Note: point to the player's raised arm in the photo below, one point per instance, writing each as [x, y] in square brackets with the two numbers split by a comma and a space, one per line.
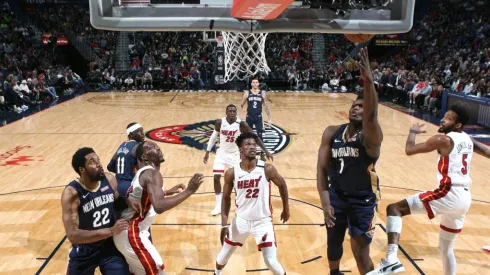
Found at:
[267, 109]
[153, 181]
[278, 180]
[244, 100]
[212, 140]
[371, 130]
[481, 148]
[441, 143]
[69, 207]
[323, 163]
[245, 128]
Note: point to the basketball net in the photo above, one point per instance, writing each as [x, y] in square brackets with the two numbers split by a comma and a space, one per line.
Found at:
[244, 55]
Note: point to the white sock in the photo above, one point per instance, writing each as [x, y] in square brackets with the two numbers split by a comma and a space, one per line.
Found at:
[393, 225]
[392, 253]
[218, 200]
[218, 272]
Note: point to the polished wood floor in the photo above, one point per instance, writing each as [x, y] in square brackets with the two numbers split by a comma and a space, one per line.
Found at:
[35, 164]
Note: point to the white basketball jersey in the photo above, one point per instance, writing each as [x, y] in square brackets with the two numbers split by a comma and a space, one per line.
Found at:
[253, 193]
[455, 168]
[138, 193]
[227, 136]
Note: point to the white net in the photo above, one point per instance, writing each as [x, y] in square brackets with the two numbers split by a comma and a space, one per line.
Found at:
[244, 55]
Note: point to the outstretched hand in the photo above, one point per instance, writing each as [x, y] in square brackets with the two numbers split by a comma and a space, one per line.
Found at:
[364, 66]
[417, 128]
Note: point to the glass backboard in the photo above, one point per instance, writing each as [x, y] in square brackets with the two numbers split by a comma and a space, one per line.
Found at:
[215, 15]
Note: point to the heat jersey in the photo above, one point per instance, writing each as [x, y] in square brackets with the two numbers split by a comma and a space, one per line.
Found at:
[96, 209]
[254, 101]
[253, 193]
[351, 169]
[455, 168]
[138, 193]
[227, 136]
[125, 161]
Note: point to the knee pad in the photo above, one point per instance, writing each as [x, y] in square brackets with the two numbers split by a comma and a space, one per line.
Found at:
[225, 254]
[270, 259]
[335, 239]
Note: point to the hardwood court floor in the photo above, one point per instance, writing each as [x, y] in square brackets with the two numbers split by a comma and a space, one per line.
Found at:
[36, 163]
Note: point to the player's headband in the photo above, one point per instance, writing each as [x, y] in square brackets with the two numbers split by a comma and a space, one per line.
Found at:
[133, 128]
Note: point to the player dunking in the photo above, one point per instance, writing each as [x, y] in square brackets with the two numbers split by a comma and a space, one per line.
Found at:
[346, 177]
[147, 188]
[123, 163]
[451, 200]
[251, 180]
[229, 128]
[89, 218]
[255, 98]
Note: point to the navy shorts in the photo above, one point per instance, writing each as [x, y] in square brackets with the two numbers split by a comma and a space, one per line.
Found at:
[358, 214]
[256, 120]
[84, 259]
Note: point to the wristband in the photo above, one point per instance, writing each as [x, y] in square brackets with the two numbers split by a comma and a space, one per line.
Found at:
[224, 226]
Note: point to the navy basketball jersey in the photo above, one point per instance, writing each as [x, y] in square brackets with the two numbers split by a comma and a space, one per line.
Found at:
[96, 209]
[254, 106]
[125, 161]
[351, 169]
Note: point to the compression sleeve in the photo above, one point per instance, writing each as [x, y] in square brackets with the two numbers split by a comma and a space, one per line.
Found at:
[212, 140]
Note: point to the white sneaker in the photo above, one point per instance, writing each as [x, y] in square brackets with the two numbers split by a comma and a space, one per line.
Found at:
[486, 249]
[216, 211]
[385, 268]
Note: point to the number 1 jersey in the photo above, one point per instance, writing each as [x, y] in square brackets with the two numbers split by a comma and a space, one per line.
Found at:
[253, 193]
[352, 171]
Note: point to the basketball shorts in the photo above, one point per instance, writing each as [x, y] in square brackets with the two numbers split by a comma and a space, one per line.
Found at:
[255, 121]
[358, 214]
[141, 255]
[452, 205]
[262, 230]
[84, 259]
[224, 159]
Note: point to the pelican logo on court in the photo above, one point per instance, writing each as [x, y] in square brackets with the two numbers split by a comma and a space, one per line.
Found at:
[197, 136]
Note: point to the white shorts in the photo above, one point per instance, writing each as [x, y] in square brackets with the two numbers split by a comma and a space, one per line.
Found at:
[222, 159]
[452, 205]
[140, 254]
[262, 230]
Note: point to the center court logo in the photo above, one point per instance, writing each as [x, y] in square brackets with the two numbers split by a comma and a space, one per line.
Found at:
[197, 136]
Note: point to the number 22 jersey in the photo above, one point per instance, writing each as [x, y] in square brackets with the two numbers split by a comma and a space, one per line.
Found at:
[253, 193]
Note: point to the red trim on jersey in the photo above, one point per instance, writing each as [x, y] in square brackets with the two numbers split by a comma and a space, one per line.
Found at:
[218, 171]
[267, 244]
[232, 243]
[424, 197]
[441, 191]
[450, 230]
[135, 239]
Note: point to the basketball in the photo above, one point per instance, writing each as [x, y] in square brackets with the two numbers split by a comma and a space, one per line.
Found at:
[359, 38]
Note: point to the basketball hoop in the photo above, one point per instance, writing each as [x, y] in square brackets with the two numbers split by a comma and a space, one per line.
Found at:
[244, 54]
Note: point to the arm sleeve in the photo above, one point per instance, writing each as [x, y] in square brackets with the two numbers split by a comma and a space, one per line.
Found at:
[212, 140]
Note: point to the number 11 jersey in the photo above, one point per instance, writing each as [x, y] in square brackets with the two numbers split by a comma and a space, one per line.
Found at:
[352, 171]
[253, 193]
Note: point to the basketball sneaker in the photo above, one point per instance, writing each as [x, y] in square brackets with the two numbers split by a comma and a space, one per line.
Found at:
[385, 268]
[486, 249]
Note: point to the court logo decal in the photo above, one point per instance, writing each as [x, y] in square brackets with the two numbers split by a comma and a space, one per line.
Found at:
[197, 136]
[7, 160]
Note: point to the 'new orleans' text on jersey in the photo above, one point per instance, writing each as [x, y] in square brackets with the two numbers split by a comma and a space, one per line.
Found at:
[351, 169]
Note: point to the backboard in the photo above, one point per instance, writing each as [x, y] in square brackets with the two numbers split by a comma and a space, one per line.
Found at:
[215, 15]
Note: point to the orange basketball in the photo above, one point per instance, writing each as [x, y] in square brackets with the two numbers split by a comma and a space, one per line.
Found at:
[359, 38]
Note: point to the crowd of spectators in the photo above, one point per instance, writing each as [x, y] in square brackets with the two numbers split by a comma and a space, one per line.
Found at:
[30, 72]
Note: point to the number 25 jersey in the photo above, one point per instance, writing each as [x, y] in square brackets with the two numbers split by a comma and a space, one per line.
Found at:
[253, 193]
[227, 136]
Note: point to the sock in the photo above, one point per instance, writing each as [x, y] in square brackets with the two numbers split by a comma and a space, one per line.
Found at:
[335, 271]
[218, 272]
[392, 253]
[218, 200]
